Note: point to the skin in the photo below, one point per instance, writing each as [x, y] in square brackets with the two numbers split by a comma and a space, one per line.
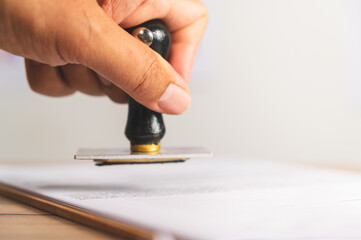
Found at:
[81, 45]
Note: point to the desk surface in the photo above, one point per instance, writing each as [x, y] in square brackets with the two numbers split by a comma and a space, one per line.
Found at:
[19, 221]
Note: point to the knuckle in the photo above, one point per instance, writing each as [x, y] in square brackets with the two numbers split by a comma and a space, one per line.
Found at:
[116, 95]
[34, 85]
[204, 10]
[118, 10]
[161, 7]
[47, 86]
[71, 44]
[39, 86]
[77, 47]
[146, 85]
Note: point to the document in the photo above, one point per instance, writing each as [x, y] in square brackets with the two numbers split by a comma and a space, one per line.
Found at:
[215, 198]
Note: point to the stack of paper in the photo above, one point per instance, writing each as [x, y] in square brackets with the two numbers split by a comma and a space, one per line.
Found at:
[219, 198]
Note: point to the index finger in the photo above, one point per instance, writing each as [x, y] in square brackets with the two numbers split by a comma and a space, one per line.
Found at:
[186, 20]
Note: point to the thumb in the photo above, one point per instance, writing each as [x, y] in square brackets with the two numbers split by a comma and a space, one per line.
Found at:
[135, 68]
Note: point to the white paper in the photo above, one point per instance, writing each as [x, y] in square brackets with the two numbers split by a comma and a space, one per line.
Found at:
[219, 198]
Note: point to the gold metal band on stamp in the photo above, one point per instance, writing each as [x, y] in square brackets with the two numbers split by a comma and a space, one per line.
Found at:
[148, 148]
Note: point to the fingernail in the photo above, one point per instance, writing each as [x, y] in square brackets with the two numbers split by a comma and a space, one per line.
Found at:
[174, 100]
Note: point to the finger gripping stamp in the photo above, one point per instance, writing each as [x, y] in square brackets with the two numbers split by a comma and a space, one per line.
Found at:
[145, 128]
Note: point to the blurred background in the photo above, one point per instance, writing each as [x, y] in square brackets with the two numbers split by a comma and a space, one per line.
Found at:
[274, 79]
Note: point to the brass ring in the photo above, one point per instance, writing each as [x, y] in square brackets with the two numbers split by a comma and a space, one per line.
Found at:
[148, 148]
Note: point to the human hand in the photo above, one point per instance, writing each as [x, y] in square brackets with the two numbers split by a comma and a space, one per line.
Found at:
[77, 45]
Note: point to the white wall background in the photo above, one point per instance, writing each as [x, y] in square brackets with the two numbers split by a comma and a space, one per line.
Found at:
[278, 79]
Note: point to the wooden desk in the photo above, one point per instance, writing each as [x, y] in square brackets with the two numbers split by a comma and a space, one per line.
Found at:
[19, 221]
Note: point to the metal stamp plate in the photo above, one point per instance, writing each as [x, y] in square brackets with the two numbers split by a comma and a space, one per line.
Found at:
[109, 156]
